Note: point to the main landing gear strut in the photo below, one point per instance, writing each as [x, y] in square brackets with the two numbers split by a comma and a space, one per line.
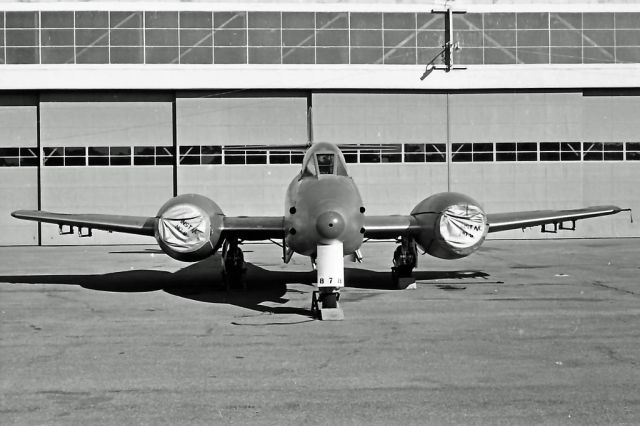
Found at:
[405, 259]
[234, 268]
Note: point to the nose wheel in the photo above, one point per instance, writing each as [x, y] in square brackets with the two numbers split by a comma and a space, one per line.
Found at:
[405, 259]
[234, 268]
[325, 306]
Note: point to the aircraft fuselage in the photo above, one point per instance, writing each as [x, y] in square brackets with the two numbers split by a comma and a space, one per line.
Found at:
[322, 206]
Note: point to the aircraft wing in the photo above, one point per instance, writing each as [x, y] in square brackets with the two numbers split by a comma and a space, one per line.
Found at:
[390, 227]
[244, 228]
[139, 225]
[518, 220]
[254, 228]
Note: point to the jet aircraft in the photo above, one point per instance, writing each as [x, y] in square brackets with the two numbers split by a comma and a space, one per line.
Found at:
[324, 218]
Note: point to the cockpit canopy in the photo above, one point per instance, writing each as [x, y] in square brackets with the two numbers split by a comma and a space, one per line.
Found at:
[324, 159]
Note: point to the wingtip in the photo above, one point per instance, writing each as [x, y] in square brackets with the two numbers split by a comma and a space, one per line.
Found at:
[22, 214]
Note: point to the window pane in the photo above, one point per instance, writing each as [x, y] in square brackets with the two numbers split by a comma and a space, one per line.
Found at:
[57, 19]
[298, 20]
[369, 158]
[161, 19]
[483, 147]
[391, 157]
[92, 55]
[98, 161]
[195, 19]
[120, 150]
[483, 156]
[28, 161]
[74, 161]
[100, 151]
[366, 20]
[436, 158]
[211, 149]
[190, 159]
[143, 161]
[331, 20]
[505, 156]
[126, 19]
[527, 156]
[549, 156]
[9, 152]
[549, 146]
[461, 147]
[613, 156]
[505, 146]
[527, 146]
[279, 158]
[92, 19]
[74, 151]
[400, 21]
[257, 157]
[120, 161]
[229, 20]
[211, 159]
[21, 19]
[98, 37]
[264, 20]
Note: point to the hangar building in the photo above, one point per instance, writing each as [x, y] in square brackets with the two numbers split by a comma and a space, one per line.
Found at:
[115, 107]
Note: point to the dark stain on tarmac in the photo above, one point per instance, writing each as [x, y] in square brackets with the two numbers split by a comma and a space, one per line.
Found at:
[202, 282]
[449, 287]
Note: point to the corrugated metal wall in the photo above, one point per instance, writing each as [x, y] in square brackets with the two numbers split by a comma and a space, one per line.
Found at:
[119, 123]
[210, 121]
[18, 179]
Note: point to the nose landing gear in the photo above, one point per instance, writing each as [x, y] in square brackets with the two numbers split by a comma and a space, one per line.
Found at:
[234, 268]
[330, 269]
[405, 259]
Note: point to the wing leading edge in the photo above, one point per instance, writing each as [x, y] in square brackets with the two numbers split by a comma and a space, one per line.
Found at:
[140, 225]
[520, 220]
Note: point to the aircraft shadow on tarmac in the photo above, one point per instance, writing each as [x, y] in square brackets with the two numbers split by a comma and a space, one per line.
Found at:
[202, 281]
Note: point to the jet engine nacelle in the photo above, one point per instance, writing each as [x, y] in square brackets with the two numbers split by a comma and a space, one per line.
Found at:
[451, 225]
[188, 227]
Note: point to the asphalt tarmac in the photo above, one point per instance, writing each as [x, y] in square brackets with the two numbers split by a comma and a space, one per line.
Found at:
[538, 332]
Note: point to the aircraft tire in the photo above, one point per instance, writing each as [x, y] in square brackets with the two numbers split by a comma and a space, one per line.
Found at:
[330, 301]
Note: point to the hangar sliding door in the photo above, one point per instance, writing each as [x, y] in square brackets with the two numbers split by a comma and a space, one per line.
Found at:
[413, 123]
[531, 151]
[210, 125]
[18, 167]
[105, 153]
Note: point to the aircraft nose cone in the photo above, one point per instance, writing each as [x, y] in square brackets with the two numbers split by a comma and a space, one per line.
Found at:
[330, 224]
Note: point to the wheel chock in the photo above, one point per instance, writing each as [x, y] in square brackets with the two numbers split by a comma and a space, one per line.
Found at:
[407, 283]
[331, 314]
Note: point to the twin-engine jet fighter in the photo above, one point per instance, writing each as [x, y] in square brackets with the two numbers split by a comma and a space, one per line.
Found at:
[325, 219]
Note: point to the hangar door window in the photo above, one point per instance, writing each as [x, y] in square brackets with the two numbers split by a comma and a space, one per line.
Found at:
[560, 151]
[420, 153]
[100, 156]
[598, 151]
[64, 156]
[633, 151]
[195, 154]
[18, 157]
[518, 151]
[109, 156]
[472, 152]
